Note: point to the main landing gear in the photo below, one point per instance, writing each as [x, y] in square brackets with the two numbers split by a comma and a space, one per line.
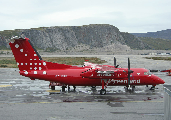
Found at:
[105, 83]
[103, 92]
[129, 88]
[53, 84]
[64, 86]
[74, 88]
[52, 87]
[93, 87]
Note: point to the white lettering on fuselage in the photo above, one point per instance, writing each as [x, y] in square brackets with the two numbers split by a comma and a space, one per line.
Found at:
[60, 75]
[104, 74]
[125, 81]
[63, 75]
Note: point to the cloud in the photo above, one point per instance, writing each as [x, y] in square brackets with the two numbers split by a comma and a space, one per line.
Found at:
[127, 15]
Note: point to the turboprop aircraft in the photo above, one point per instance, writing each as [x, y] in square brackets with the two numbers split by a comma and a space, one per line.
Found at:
[31, 65]
[168, 72]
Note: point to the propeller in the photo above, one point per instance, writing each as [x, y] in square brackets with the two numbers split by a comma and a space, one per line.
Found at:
[129, 72]
[116, 66]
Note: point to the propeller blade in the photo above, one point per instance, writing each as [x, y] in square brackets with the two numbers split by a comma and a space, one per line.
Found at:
[129, 72]
[114, 61]
[128, 64]
[116, 66]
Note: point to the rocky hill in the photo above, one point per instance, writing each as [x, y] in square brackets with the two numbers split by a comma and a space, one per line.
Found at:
[164, 34]
[93, 37]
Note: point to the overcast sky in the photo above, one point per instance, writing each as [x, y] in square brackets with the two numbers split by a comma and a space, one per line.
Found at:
[133, 16]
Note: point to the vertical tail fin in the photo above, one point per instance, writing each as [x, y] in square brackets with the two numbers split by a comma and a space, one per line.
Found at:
[26, 56]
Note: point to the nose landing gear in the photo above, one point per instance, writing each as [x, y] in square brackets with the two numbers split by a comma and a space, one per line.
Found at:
[153, 87]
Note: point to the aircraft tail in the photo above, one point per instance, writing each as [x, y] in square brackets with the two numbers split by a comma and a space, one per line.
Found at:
[26, 55]
[28, 58]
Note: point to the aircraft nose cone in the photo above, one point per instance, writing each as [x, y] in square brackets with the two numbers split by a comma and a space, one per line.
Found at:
[159, 80]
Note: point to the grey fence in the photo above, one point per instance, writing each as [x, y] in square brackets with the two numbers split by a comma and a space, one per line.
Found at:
[167, 102]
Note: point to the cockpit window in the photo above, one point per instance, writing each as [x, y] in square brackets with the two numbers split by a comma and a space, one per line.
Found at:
[147, 73]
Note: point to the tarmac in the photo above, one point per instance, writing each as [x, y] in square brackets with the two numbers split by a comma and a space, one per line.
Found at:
[25, 99]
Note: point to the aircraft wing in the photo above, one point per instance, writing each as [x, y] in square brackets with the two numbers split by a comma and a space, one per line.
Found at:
[104, 72]
[165, 70]
[92, 65]
[97, 65]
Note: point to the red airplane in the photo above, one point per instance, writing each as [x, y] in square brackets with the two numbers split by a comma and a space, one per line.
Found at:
[31, 65]
[168, 72]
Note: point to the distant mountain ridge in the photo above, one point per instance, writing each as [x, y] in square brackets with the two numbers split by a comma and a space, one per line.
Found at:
[164, 34]
[93, 37]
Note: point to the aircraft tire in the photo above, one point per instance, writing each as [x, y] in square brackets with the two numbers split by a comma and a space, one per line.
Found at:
[52, 87]
[68, 88]
[74, 88]
[102, 92]
[133, 88]
[63, 88]
[93, 87]
[152, 88]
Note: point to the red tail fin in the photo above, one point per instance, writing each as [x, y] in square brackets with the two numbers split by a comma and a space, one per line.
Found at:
[26, 56]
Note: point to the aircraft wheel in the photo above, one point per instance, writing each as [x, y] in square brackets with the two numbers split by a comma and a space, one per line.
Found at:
[52, 87]
[152, 88]
[63, 88]
[74, 88]
[102, 92]
[68, 88]
[133, 88]
[126, 88]
[93, 87]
